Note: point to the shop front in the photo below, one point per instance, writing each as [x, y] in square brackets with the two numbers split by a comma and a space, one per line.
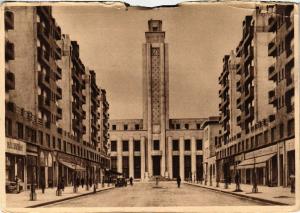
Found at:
[15, 152]
[70, 168]
[32, 165]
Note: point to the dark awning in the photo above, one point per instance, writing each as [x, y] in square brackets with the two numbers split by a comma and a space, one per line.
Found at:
[72, 166]
[258, 162]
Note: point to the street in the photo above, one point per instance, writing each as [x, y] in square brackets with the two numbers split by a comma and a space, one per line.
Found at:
[147, 194]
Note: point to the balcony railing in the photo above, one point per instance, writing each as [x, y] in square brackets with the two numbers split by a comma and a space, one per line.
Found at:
[272, 47]
[43, 56]
[43, 33]
[272, 72]
[272, 24]
[272, 97]
[59, 93]
[249, 74]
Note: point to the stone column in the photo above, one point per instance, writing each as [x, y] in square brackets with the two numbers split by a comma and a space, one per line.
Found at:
[170, 155]
[181, 158]
[193, 158]
[142, 158]
[149, 157]
[285, 165]
[119, 155]
[131, 166]
[278, 165]
[163, 158]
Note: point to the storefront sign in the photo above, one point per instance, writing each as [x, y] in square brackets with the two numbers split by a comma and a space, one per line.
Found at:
[15, 146]
[260, 152]
[31, 148]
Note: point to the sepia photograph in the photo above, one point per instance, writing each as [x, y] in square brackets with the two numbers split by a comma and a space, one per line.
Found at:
[118, 108]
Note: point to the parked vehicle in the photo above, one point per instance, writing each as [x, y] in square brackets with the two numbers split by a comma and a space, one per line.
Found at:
[120, 182]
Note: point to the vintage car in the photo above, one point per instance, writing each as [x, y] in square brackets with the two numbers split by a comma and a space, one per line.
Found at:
[120, 182]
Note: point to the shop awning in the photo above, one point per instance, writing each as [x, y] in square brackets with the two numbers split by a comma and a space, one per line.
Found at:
[72, 166]
[257, 161]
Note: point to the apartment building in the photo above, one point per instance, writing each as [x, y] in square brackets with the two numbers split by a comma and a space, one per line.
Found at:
[256, 150]
[44, 116]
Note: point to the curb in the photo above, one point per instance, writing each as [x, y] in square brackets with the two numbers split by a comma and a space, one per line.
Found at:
[242, 195]
[64, 199]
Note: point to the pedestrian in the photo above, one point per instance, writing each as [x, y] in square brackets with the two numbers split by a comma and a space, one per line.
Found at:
[237, 181]
[82, 182]
[178, 181]
[131, 180]
[43, 185]
[91, 182]
[63, 184]
[77, 182]
[17, 184]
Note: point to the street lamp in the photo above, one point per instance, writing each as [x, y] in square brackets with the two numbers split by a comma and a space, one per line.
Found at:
[254, 189]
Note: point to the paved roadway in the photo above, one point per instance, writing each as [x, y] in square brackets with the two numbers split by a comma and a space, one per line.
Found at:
[167, 194]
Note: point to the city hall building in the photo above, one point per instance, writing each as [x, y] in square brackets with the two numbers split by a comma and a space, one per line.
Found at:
[157, 145]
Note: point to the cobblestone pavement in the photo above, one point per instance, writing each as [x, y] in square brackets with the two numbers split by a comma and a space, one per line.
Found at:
[166, 194]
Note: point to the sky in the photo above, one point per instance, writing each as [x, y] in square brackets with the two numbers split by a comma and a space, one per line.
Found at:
[111, 38]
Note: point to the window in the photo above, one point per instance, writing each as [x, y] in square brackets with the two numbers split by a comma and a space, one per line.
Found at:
[48, 140]
[199, 144]
[156, 145]
[59, 143]
[291, 127]
[65, 146]
[8, 127]
[187, 145]
[198, 126]
[125, 146]
[281, 130]
[113, 146]
[266, 136]
[114, 127]
[33, 136]
[41, 140]
[137, 146]
[175, 145]
[125, 127]
[20, 130]
[177, 126]
[137, 127]
[53, 142]
[216, 140]
[186, 126]
[273, 134]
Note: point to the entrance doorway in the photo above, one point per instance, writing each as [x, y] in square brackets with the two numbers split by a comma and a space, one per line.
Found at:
[175, 166]
[156, 165]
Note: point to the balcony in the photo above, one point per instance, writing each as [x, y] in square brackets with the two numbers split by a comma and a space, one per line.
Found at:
[9, 20]
[239, 103]
[58, 72]
[76, 92]
[272, 24]
[42, 32]
[9, 80]
[76, 76]
[9, 51]
[272, 97]
[272, 73]
[43, 56]
[272, 47]
[44, 103]
[249, 94]
[59, 113]
[44, 11]
[249, 114]
[76, 109]
[290, 86]
[249, 74]
[239, 86]
[249, 54]
[249, 34]
[44, 80]
[239, 120]
[57, 33]
[58, 93]
[290, 108]
[272, 118]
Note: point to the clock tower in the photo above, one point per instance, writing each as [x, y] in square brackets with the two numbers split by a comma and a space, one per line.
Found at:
[156, 97]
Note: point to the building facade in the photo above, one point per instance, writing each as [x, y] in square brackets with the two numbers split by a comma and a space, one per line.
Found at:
[45, 100]
[157, 145]
[257, 116]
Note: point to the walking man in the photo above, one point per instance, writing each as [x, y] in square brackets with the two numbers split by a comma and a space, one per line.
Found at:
[178, 181]
[131, 180]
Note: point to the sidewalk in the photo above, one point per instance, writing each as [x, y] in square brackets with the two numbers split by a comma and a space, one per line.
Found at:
[21, 200]
[272, 195]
